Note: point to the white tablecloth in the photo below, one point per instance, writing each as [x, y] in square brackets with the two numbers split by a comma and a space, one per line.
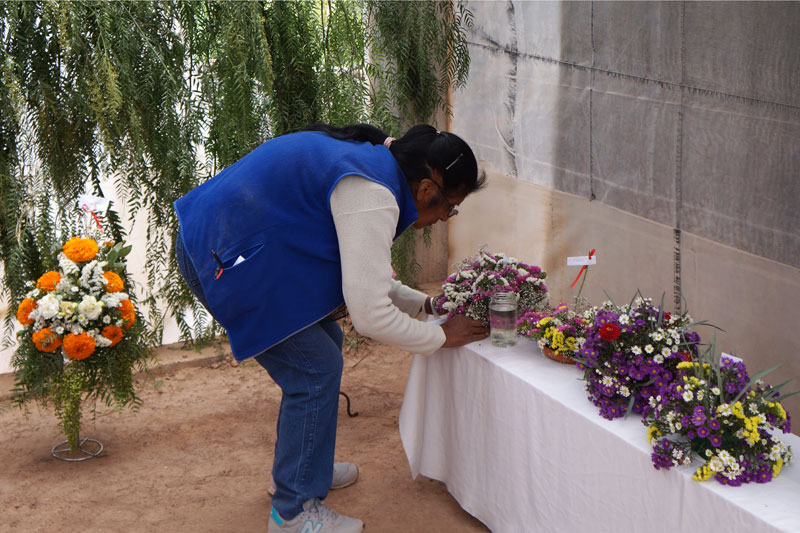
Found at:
[517, 443]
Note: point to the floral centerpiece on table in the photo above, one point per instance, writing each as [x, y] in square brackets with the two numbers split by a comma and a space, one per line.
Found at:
[630, 352]
[80, 333]
[469, 289]
[715, 412]
[560, 332]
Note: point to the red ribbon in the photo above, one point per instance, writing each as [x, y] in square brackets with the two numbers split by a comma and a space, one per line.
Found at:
[87, 210]
[584, 267]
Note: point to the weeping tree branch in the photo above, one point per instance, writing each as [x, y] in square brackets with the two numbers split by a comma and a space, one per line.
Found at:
[156, 97]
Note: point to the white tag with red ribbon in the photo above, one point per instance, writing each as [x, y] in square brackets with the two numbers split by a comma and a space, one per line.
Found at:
[91, 206]
[98, 204]
[582, 260]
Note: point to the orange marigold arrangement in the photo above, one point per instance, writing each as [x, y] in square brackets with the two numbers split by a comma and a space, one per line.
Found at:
[79, 300]
[80, 336]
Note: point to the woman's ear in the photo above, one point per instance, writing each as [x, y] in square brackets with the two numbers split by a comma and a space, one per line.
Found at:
[425, 191]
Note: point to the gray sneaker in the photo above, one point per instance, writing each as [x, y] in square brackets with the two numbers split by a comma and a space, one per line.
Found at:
[344, 475]
[315, 518]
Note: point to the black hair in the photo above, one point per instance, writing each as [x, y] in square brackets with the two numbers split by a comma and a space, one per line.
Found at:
[422, 148]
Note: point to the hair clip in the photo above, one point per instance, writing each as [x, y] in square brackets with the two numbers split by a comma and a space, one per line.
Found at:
[454, 161]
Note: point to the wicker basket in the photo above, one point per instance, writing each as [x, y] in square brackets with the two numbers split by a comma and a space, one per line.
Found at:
[565, 359]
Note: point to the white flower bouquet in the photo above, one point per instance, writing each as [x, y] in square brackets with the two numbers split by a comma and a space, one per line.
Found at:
[468, 291]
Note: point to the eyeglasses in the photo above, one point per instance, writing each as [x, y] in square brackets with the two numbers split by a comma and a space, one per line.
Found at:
[451, 209]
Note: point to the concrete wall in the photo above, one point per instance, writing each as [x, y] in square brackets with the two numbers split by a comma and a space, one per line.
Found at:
[664, 134]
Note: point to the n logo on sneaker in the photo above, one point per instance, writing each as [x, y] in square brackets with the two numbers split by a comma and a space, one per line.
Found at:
[311, 527]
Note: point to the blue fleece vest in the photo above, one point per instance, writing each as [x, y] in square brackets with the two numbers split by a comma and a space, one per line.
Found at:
[272, 209]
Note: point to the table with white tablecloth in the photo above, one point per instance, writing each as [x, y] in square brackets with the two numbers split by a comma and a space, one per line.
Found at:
[513, 436]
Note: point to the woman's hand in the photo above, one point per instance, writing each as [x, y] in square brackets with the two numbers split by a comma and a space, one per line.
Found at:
[429, 304]
[461, 330]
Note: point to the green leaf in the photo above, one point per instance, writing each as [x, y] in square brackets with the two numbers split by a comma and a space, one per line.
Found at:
[784, 396]
[753, 380]
[701, 323]
[609, 298]
[630, 406]
[660, 318]
[777, 388]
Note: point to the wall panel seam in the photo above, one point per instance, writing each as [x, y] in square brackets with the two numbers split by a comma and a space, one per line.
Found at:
[643, 79]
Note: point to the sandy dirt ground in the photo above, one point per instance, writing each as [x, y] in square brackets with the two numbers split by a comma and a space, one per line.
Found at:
[196, 456]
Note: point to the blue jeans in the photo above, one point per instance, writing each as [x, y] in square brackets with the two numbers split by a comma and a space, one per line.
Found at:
[308, 368]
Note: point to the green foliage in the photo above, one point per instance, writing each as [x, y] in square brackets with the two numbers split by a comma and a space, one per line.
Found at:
[43, 377]
[67, 404]
[404, 258]
[160, 96]
[419, 51]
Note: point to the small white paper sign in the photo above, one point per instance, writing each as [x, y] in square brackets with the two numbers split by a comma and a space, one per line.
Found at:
[97, 204]
[729, 356]
[581, 260]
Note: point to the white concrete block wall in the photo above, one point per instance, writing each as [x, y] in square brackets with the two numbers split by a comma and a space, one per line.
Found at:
[611, 125]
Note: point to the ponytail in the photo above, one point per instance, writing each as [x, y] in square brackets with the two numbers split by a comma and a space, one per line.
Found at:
[421, 149]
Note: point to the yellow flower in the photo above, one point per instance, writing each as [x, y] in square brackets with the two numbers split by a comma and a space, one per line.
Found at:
[543, 322]
[652, 432]
[558, 340]
[776, 468]
[684, 365]
[702, 473]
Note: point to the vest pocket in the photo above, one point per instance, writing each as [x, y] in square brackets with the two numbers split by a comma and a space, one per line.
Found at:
[236, 291]
[237, 259]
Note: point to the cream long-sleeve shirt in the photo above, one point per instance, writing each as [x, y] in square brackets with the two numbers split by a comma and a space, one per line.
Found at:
[365, 214]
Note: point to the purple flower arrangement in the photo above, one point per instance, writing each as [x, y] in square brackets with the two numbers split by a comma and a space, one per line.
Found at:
[630, 353]
[714, 411]
[468, 291]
